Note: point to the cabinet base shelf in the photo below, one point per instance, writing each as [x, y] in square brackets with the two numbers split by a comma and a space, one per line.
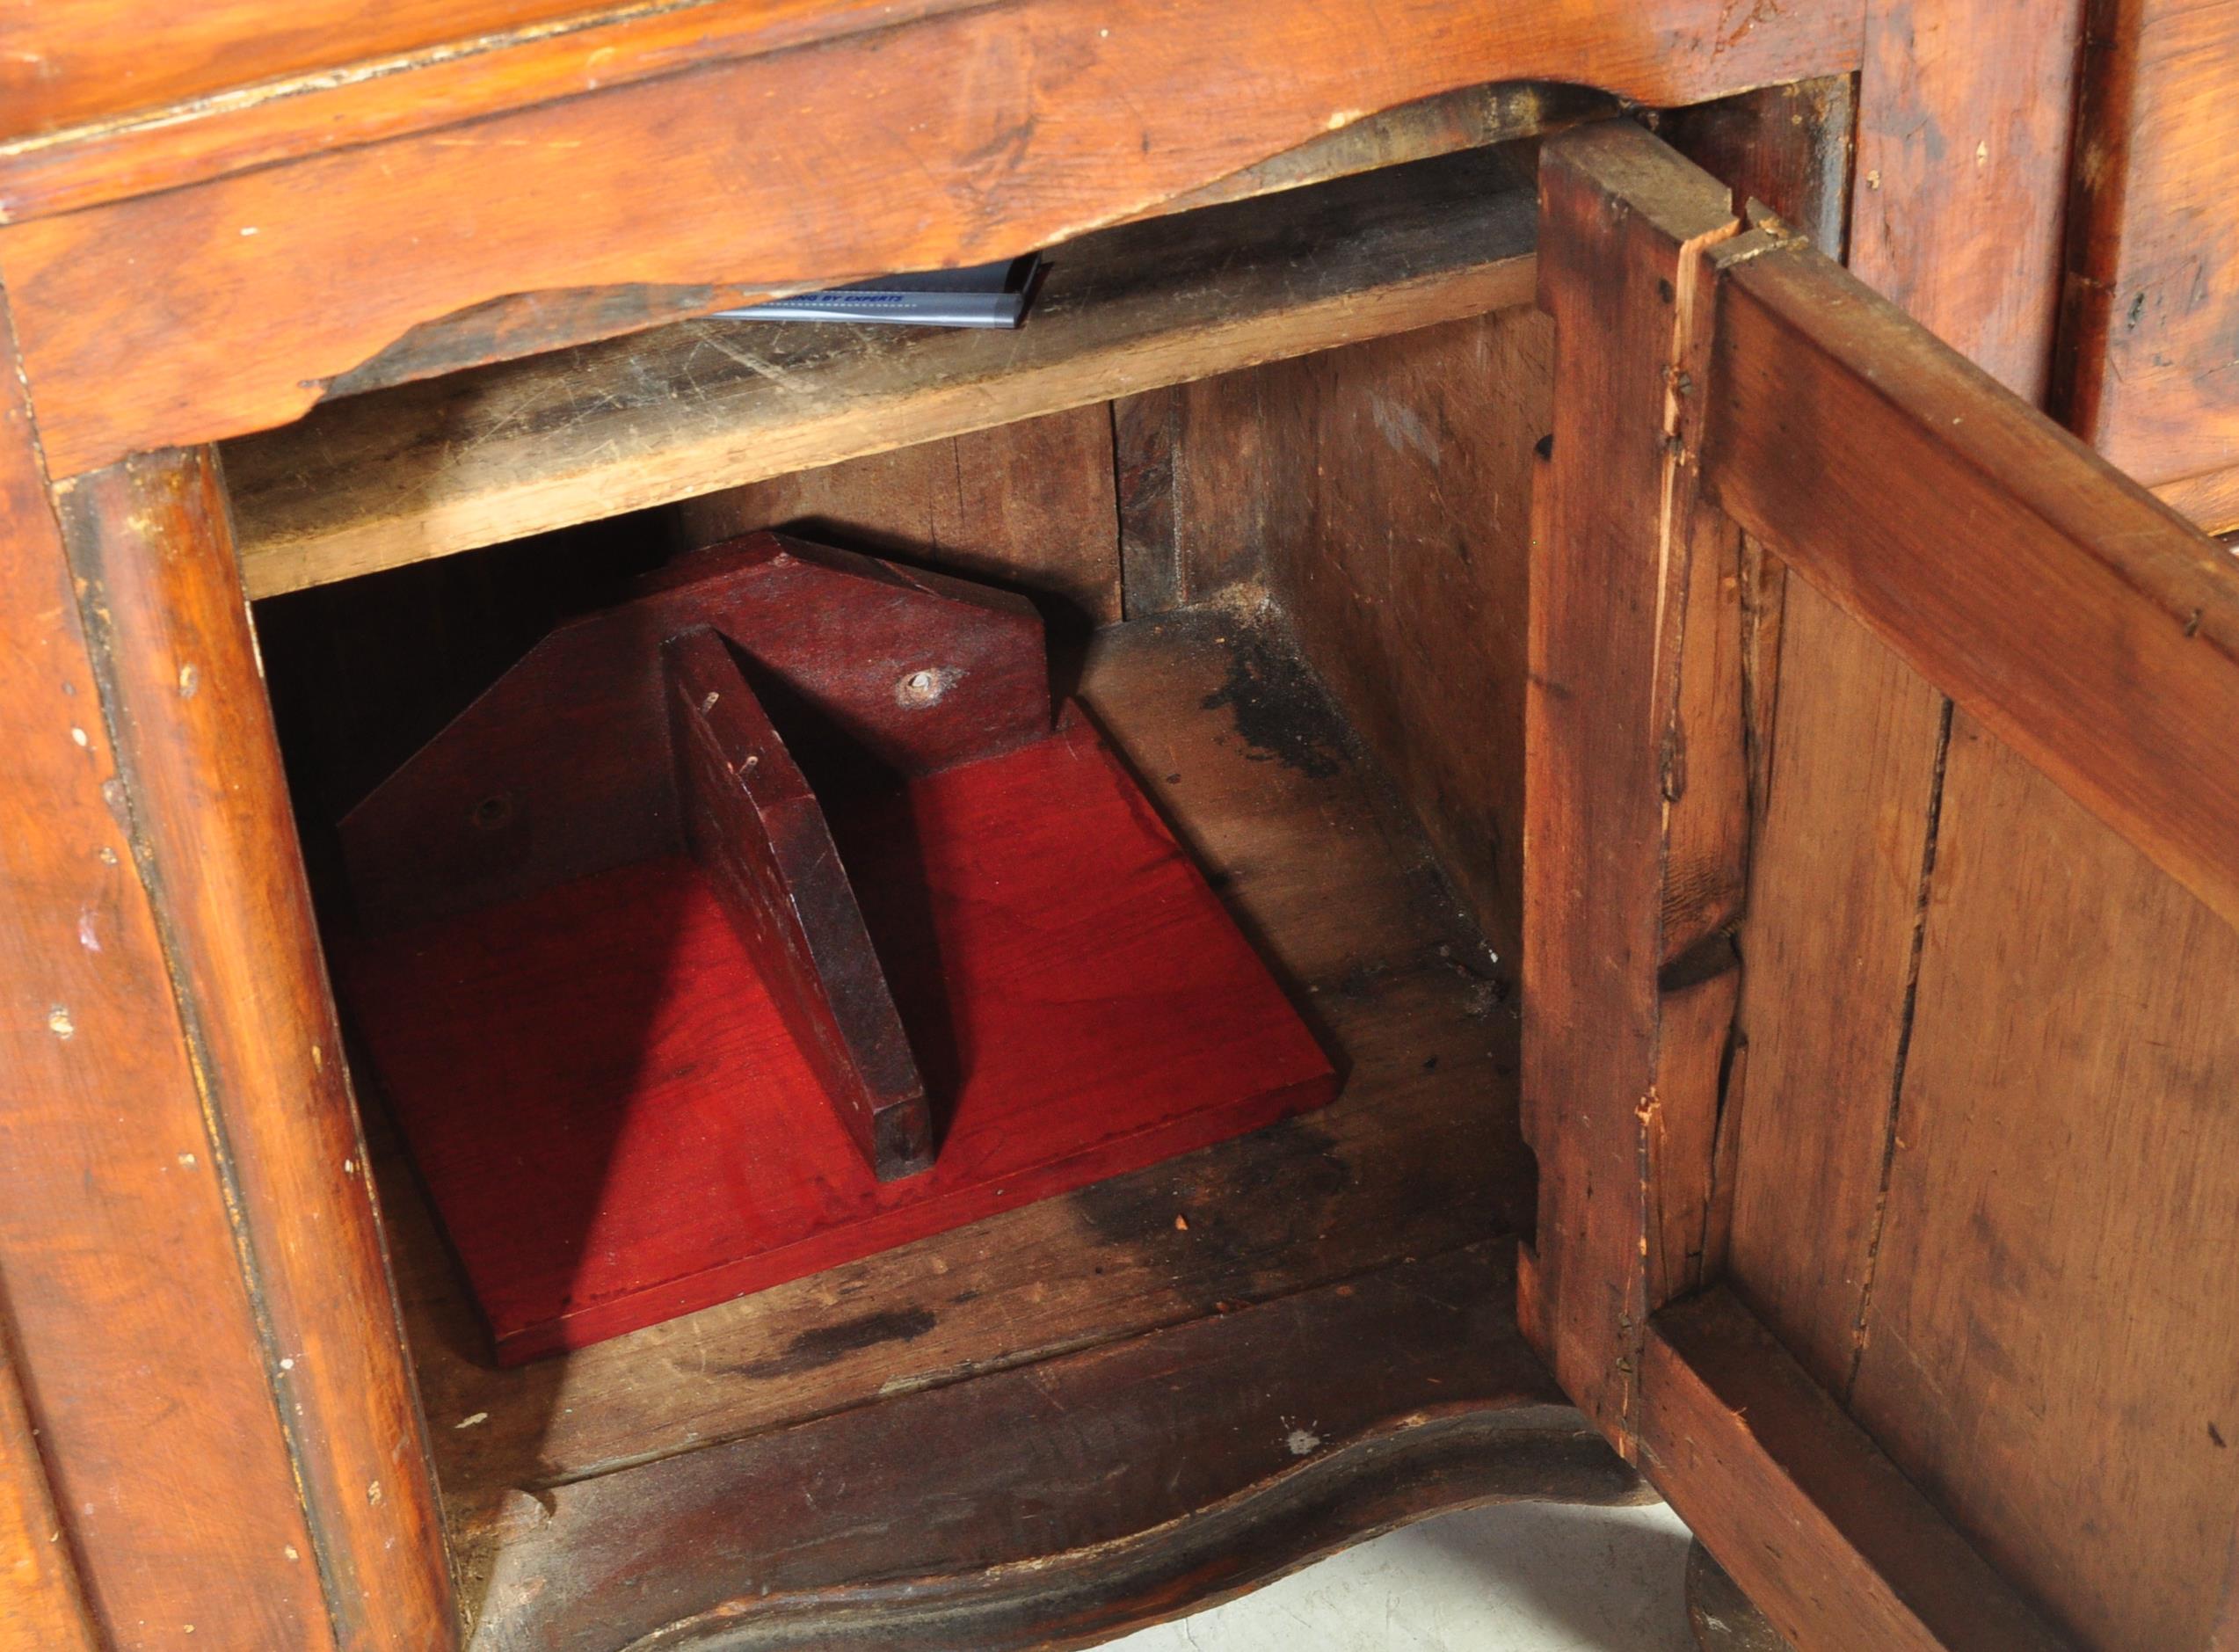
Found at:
[602, 1094]
[1057, 1505]
[1417, 1157]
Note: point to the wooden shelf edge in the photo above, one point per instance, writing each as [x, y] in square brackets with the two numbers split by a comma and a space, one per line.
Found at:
[431, 468]
[1170, 1470]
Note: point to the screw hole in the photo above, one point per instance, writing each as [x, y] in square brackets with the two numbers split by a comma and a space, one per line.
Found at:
[922, 687]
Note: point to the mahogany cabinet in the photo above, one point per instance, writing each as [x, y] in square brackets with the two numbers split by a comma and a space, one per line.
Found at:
[1743, 799]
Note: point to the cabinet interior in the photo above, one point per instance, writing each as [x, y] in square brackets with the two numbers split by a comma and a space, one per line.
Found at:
[1266, 468]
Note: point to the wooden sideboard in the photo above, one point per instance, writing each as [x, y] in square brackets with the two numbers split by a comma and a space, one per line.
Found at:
[1488, 537]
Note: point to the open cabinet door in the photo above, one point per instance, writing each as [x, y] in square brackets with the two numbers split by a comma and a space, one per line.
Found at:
[1731, 408]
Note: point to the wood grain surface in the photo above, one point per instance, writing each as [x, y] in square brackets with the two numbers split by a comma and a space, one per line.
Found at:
[1965, 119]
[2119, 677]
[1147, 469]
[113, 1227]
[1040, 120]
[1829, 1540]
[1791, 147]
[42, 1601]
[1382, 492]
[2052, 1345]
[1941, 1375]
[183, 696]
[2153, 251]
[242, 83]
[1836, 887]
[393, 477]
[1401, 493]
[1217, 477]
[2226, 1634]
[2210, 501]
[1611, 925]
[1467, 118]
[1167, 1471]
[1027, 505]
[122, 55]
[109, 158]
[1653, 602]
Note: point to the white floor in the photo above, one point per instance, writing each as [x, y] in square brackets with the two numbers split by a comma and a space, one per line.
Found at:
[1522, 1577]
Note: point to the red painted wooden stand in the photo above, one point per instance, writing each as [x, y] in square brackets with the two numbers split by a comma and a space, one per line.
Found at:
[686, 948]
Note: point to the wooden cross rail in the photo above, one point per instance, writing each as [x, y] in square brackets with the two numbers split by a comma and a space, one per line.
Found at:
[2088, 624]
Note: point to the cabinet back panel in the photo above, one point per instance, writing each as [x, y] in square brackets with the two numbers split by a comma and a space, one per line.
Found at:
[1378, 495]
[1406, 582]
[1029, 505]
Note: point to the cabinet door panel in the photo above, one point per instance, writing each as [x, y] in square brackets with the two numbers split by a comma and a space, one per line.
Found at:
[1727, 397]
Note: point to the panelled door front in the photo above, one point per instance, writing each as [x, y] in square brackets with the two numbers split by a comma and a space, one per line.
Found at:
[1936, 1348]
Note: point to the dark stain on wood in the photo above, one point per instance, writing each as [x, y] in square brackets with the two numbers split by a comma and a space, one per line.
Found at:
[1299, 1169]
[823, 1345]
[1279, 708]
[1706, 960]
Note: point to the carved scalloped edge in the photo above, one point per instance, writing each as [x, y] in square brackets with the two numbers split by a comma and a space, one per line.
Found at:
[1405, 1471]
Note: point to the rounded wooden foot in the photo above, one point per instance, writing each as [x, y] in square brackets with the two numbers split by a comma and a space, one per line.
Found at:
[1720, 1614]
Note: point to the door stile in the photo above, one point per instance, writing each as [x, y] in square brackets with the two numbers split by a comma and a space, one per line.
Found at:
[217, 1425]
[1636, 772]
[151, 548]
[1648, 708]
